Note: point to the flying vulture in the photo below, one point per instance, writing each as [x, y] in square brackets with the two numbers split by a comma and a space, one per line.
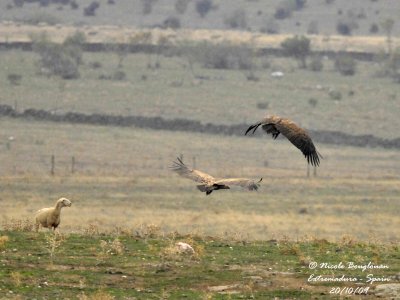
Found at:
[296, 135]
[209, 183]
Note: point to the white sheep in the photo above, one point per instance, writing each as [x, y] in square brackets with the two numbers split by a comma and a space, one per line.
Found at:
[49, 217]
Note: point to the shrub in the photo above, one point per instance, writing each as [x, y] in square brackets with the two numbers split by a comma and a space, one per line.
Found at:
[74, 5]
[78, 39]
[19, 3]
[346, 25]
[237, 20]
[203, 7]
[73, 46]
[270, 26]
[389, 65]
[224, 56]
[263, 105]
[283, 11]
[343, 28]
[56, 59]
[44, 2]
[14, 79]
[41, 17]
[299, 4]
[316, 64]
[95, 65]
[313, 102]
[374, 28]
[91, 9]
[335, 94]
[172, 22]
[181, 6]
[119, 75]
[313, 27]
[345, 64]
[147, 6]
[298, 47]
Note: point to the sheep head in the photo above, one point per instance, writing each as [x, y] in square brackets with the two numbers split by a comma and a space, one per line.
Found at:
[64, 202]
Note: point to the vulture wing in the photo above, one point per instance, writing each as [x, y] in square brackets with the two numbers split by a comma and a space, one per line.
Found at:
[242, 182]
[195, 175]
[300, 138]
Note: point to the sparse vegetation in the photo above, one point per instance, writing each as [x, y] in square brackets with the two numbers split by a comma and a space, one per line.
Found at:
[219, 264]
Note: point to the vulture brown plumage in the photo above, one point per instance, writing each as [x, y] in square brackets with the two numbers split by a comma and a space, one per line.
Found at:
[296, 135]
[208, 183]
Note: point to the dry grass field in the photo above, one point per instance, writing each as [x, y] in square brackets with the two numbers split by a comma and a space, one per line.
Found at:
[124, 172]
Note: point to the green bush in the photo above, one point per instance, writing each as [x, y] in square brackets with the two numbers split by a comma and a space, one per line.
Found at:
[345, 65]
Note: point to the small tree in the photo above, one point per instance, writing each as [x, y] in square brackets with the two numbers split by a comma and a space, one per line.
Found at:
[298, 47]
[55, 59]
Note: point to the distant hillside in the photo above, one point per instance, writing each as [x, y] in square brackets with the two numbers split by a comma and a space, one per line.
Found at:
[324, 17]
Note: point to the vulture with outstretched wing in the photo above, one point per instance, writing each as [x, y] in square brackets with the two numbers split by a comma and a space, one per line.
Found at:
[296, 135]
[209, 183]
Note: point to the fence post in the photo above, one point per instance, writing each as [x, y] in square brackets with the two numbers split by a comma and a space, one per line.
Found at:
[52, 165]
[72, 164]
[315, 171]
[308, 170]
